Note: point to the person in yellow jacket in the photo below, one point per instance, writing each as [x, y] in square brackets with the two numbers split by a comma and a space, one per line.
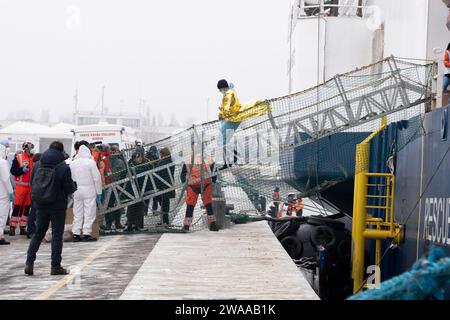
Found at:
[228, 113]
[232, 113]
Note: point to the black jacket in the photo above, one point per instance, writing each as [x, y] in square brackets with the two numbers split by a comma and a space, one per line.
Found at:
[64, 182]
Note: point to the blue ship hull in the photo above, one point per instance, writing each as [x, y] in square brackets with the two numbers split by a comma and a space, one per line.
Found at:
[420, 149]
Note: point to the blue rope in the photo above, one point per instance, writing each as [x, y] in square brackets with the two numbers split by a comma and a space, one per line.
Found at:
[427, 279]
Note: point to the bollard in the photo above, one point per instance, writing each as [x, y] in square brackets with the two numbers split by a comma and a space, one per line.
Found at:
[220, 207]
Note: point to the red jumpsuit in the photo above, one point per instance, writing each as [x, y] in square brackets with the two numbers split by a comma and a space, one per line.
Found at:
[198, 183]
[22, 194]
[277, 202]
[299, 206]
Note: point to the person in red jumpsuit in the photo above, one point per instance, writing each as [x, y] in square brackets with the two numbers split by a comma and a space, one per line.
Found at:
[277, 202]
[199, 181]
[21, 169]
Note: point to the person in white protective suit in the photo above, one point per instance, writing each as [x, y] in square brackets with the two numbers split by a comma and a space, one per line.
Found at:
[6, 192]
[87, 177]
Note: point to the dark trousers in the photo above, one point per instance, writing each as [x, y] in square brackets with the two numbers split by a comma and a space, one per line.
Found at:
[57, 218]
[31, 228]
[164, 202]
[155, 202]
[113, 217]
[135, 215]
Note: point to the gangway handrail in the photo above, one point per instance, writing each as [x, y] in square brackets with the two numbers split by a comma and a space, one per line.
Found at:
[354, 107]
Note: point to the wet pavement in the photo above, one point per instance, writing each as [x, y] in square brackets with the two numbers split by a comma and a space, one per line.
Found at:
[99, 270]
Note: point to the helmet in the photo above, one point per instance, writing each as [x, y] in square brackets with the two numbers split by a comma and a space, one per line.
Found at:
[27, 146]
[222, 84]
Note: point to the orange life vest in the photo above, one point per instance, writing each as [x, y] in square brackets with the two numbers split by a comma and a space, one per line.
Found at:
[198, 172]
[299, 205]
[23, 159]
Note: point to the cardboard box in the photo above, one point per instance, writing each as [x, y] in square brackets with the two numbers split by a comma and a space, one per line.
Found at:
[445, 98]
[95, 226]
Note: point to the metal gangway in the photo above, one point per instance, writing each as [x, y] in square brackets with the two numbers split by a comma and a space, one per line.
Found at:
[350, 102]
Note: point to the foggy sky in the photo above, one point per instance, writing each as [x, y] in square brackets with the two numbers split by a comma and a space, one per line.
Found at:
[170, 53]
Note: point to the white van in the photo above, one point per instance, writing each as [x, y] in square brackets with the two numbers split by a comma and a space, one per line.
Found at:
[105, 133]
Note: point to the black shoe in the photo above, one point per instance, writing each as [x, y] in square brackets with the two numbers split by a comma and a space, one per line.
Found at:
[29, 269]
[12, 232]
[185, 228]
[213, 227]
[119, 226]
[23, 232]
[88, 238]
[107, 227]
[59, 271]
[5, 232]
[3, 242]
[29, 235]
[76, 238]
[129, 229]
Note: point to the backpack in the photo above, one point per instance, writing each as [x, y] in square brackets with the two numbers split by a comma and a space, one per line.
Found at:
[44, 189]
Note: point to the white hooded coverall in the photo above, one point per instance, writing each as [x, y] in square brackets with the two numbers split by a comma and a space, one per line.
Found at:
[5, 189]
[89, 184]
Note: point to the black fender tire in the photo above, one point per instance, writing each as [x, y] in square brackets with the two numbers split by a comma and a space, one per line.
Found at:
[287, 229]
[323, 236]
[320, 221]
[281, 228]
[344, 251]
[293, 246]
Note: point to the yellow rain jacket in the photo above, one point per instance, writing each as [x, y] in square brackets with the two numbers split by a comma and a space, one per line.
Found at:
[231, 110]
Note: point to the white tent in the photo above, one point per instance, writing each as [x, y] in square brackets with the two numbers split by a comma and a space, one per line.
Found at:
[40, 135]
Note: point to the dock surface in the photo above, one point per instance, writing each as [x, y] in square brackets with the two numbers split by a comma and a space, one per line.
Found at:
[243, 262]
[99, 270]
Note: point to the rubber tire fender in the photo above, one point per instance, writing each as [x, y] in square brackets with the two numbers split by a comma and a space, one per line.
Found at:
[293, 246]
[344, 251]
[321, 221]
[287, 229]
[318, 233]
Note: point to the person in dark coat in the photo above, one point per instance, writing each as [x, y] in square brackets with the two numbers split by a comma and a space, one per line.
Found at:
[31, 227]
[153, 156]
[164, 199]
[54, 212]
[119, 172]
[135, 212]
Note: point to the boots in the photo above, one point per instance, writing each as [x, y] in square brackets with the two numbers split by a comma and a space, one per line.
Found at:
[213, 227]
[29, 269]
[12, 232]
[23, 232]
[88, 238]
[58, 271]
[119, 226]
